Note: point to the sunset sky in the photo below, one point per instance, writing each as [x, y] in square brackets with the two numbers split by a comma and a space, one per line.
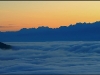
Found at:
[15, 15]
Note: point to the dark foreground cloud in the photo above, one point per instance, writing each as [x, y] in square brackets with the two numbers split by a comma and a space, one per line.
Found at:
[51, 58]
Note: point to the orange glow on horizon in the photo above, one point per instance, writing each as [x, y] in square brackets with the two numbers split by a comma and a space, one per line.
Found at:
[15, 15]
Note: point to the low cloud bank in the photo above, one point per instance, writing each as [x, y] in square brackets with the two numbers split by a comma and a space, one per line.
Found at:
[76, 46]
[51, 58]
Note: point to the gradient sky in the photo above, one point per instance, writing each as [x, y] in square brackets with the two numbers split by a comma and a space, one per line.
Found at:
[15, 15]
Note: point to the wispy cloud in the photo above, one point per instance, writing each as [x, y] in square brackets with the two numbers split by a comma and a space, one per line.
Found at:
[7, 26]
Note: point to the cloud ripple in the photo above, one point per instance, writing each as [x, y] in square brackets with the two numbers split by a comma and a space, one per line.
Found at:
[51, 58]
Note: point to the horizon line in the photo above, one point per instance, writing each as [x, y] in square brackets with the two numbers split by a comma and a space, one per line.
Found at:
[53, 28]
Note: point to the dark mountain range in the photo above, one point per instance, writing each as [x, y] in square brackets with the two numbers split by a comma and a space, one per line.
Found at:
[77, 32]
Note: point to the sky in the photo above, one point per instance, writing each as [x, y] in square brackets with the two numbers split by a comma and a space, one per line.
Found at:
[15, 15]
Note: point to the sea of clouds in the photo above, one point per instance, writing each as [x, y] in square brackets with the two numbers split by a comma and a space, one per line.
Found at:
[58, 57]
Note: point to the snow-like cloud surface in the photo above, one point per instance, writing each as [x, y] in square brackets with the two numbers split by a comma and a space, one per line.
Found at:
[51, 58]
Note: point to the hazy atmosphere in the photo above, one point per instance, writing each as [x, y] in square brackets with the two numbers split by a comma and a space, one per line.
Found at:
[15, 15]
[50, 37]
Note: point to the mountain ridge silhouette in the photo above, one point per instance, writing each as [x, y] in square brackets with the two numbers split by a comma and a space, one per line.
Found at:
[78, 32]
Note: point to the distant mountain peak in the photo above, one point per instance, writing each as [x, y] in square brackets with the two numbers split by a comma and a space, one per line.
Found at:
[78, 32]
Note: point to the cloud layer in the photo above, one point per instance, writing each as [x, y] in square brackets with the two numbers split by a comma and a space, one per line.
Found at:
[51, 58]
